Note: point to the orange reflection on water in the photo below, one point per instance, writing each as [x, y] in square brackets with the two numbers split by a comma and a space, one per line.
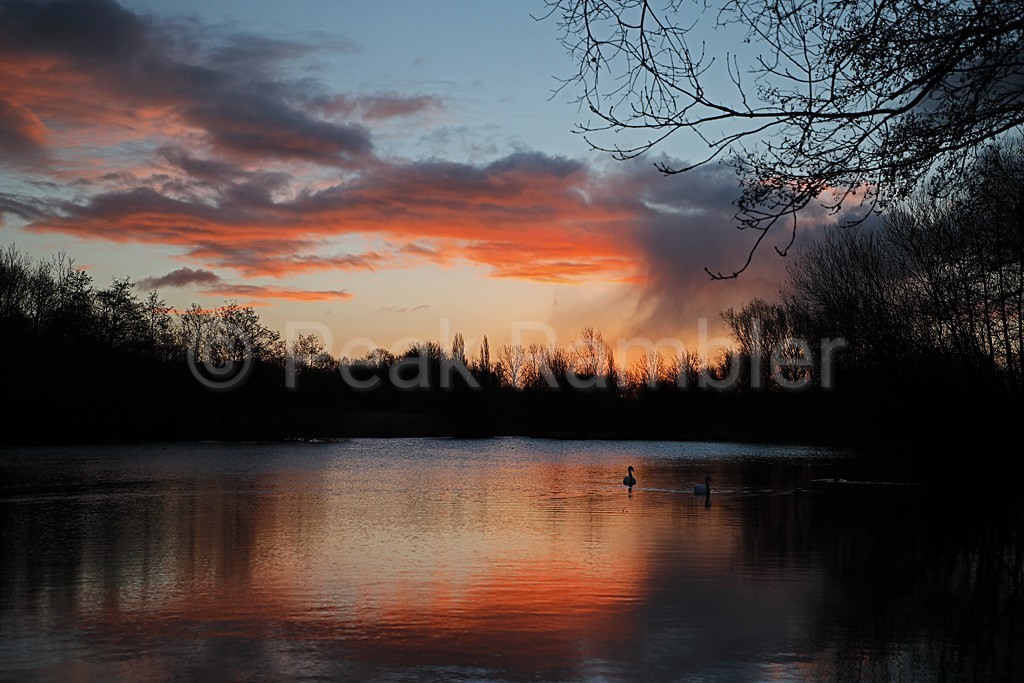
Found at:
[490, 564]
[404, 560]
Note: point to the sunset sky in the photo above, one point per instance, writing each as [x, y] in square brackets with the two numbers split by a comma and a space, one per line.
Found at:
[390, 170]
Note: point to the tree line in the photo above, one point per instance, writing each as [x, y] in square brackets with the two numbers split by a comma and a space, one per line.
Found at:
[101, 363]
[926, 303]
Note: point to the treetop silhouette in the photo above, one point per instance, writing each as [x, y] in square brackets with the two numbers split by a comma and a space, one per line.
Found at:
[848, 104]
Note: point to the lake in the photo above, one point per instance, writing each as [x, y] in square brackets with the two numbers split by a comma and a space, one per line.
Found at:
[499, 560]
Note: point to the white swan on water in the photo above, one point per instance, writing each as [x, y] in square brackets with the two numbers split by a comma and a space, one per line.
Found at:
[629, 479]
[703, 489]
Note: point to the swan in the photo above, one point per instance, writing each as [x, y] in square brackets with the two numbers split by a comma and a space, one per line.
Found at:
[703, 489]
[629, 479]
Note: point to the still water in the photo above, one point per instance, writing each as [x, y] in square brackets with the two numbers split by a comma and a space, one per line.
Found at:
[494, 560]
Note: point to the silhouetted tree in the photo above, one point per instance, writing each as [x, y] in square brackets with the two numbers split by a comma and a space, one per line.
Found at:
[159, 326]
[309, 351]
[42, 296]
[484, 365]
[937, 285]
[546, 367]
[379, 358]
[72, 300]
[430, 350]
[511, 365]
[647, 370]
[828, 100]
[243, 321]
[121, 323]
[459, 349]
[590, 354]
[15, 277]
[761, 330]
[684, 368]
[612, 374]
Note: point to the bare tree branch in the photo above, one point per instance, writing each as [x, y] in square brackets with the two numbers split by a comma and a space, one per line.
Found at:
[864, 99]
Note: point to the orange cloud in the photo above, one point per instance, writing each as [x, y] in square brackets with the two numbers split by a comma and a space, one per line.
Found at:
[261, 292]
[243, 168]
[525, 216]
[21, 127]
[95, 64]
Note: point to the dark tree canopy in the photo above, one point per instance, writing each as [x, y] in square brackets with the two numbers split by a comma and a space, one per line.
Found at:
[833, 101]
[933, 286]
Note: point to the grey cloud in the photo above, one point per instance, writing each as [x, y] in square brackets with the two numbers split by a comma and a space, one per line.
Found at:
[182, 277]
[249, 52]
[689, 226]
[251, 124]
[536, 163]
[21, 136]
[379, 106]
[237, 94]
[212, 170]
[22, 207]
[403, 309]
[95, 30]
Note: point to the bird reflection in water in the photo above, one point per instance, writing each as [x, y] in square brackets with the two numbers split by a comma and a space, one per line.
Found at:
[704, 490]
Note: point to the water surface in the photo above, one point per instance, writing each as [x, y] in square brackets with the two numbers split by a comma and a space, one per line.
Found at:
[492, 560]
